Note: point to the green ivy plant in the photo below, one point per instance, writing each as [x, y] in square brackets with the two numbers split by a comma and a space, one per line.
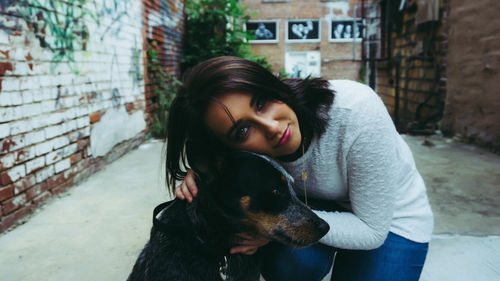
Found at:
[216, 28]
[212, 28]
[164, 87]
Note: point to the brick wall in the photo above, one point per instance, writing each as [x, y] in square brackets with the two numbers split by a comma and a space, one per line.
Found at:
[411, 77]
[337, 59]
[72, 90]
[472, 109]
[162, 31]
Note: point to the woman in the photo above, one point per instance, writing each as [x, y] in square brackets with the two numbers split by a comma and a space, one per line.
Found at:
[338, 142]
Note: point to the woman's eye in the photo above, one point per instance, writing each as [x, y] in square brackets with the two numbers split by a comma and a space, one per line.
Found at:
[241, 133]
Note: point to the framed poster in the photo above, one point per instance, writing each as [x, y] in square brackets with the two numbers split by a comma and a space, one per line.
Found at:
[346, 30]
[303, 31]
[265, 31]
[302, 64]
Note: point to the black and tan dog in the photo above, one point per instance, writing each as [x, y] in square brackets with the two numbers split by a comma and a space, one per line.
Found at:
[251, 194]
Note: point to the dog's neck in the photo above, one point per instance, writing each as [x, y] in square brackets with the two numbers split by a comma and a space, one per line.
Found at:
[213, 228]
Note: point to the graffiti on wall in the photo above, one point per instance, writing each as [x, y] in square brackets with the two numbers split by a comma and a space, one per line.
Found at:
[135, 71]
[59, 26]
[63, 26]
[110, 15]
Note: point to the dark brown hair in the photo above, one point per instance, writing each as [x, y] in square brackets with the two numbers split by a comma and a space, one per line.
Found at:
[191, 143]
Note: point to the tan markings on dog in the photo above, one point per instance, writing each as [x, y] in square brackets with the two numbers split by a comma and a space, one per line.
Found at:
[283, 178]
[245, 202]
[266, 221]
[266, 224]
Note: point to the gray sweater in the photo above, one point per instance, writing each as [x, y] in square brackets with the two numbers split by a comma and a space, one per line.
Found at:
[363, 164]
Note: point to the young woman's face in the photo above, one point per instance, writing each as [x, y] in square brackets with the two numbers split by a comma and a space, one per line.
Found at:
[260, 125]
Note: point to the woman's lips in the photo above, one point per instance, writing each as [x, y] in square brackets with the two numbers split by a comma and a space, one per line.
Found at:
[285, 137]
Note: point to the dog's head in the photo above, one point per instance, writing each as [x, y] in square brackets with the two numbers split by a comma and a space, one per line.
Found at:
[257, 193]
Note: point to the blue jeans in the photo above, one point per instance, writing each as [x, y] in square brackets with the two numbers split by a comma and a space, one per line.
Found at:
[398, 259]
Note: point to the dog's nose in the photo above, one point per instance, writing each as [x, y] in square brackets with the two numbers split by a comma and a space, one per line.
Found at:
[323, 228]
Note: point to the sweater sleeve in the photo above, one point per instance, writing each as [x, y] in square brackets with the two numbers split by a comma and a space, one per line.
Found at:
[370, 161]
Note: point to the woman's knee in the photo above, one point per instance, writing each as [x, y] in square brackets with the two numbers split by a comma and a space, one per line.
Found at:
[285, 263]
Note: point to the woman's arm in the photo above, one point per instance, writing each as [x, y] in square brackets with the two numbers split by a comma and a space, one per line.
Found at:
[372, 165]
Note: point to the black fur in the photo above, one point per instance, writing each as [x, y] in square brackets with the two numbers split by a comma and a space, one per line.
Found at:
[250, 194]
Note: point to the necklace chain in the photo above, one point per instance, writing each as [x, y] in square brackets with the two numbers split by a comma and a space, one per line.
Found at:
[304, 173]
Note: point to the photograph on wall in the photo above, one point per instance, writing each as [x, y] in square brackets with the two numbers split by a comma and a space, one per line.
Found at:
[346, 30]
[303, 31]
[265, 31]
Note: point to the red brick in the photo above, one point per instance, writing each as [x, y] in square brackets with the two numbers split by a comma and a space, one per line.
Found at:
[36, 190]
[41, 199]
[76, 157]
[83, 143]
[14, 203]
[95, 117]
[55, 180]
[63, 187]
[12, 219]
[5, 179]
[25, 183]
[6, 192]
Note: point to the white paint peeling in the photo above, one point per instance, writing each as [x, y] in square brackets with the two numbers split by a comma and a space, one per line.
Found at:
[114, 127]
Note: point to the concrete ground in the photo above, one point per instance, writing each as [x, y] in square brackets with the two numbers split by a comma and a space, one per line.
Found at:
[96, 229]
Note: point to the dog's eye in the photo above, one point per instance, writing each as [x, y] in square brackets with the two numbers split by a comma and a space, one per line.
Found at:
[276, 192]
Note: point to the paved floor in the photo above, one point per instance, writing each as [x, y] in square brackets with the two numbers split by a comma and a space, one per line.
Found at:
[96, 229]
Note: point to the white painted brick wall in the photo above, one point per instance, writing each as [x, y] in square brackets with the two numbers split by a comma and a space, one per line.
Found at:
[34, 137]
[18, 127]
[25, 154]
[31, 180]
[43, 148]
[21, 69]
[70, 126]
[62, 165]
[5, 99]
[54, 131]
[48, 106]
[44, 173]
[83, 121]
[10, 84]
[46, 81]
[6, 113]
[18, 142]
[68, 150]
[27, 97]
[4, 129]
[16, 98]
[16, 173]
[31, 109]
[7, 161]
[71, 113]
[52, 157]
[60, 142]
[35, 164]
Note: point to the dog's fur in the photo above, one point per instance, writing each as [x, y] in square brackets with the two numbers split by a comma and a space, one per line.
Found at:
[251, 194]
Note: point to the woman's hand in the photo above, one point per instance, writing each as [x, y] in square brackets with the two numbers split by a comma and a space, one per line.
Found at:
[247, 245]
[187, 189]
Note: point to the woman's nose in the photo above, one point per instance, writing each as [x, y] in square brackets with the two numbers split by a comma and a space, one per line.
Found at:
[270, 127]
